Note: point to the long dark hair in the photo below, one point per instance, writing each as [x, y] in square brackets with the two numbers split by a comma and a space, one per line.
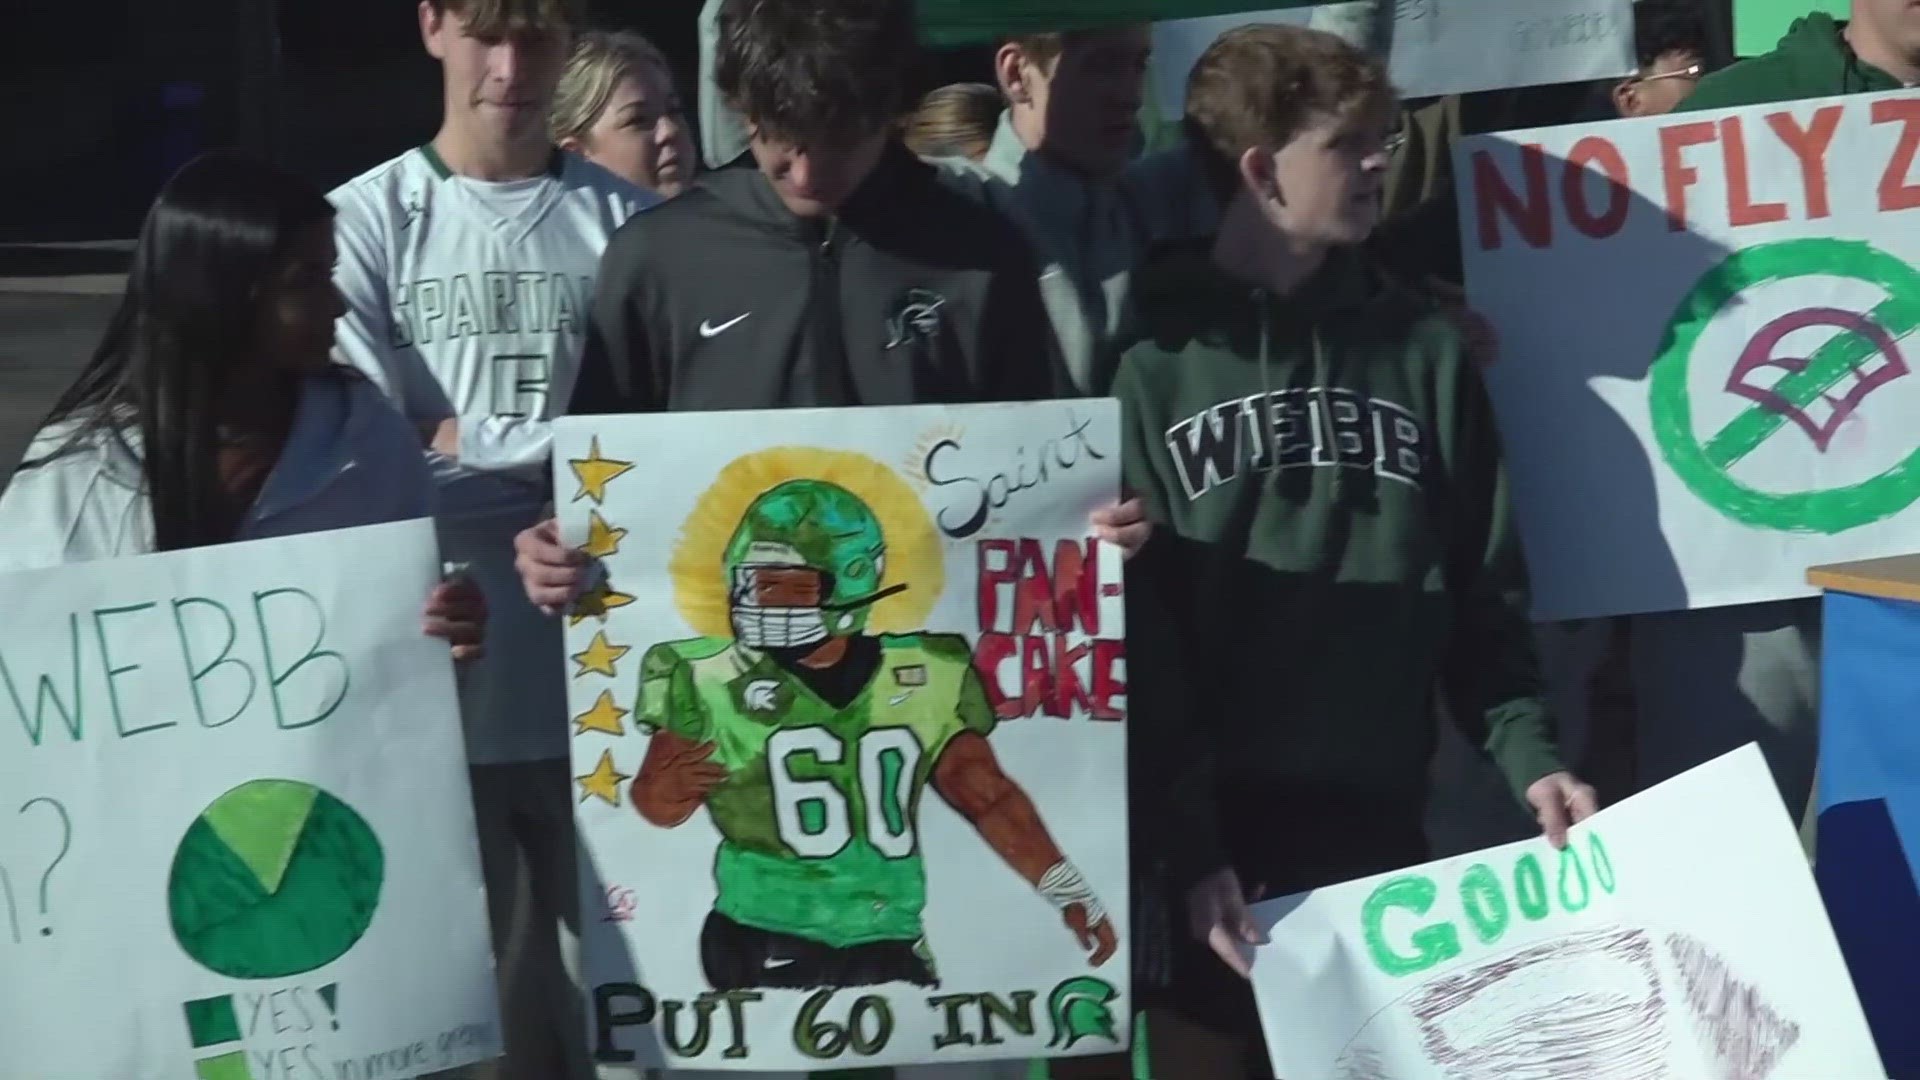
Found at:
[186, 323]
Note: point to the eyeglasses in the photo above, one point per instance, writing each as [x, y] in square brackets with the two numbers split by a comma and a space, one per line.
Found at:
[1691, 71]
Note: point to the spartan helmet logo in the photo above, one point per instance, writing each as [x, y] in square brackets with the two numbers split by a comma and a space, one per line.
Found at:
[1082, 1008]
[919, 316]
[804, 565]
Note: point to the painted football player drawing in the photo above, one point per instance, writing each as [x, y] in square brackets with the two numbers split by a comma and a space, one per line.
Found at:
[849, 740]
[811, 742]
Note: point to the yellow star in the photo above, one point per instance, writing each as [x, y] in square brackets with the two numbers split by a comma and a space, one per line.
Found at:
[602, 539]
[604, 717]
[600, 656]
[596, 602]
[603, 781]
[595, 473]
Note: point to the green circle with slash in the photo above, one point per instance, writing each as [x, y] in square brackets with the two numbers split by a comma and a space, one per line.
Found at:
[1704, 466]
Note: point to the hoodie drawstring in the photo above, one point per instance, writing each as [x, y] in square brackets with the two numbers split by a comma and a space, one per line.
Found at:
[1262, 312]
[1322, 380]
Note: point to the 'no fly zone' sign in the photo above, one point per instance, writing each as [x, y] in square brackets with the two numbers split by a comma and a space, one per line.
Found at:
[1705, 353]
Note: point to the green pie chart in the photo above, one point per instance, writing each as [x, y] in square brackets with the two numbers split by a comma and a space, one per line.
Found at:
[275, 878]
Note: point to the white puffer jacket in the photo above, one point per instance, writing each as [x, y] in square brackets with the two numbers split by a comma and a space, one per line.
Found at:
[350, 460]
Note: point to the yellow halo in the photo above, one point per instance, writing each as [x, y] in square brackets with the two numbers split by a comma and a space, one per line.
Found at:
[914, 557]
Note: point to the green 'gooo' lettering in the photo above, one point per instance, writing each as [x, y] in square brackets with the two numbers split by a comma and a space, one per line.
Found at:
[1485, 902]
[1530, 888]
[1570, 858]
[1433, 944]
[1602, 866]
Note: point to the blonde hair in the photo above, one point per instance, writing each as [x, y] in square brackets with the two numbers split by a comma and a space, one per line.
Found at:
[955, 121]
[600, 60]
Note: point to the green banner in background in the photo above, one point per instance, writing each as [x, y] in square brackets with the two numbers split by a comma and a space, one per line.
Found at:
[1758, 25]
[975, 22]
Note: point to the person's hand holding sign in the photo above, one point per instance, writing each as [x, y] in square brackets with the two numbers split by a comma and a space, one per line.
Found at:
[1124, 525]
[1560, 800]
[551, 572]
[456, 613]
[1218, 917]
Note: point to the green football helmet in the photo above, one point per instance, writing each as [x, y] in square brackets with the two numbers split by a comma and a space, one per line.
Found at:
[804, 565]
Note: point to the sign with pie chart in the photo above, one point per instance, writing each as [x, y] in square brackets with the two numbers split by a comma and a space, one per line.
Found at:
[274, 878]
[280, 875]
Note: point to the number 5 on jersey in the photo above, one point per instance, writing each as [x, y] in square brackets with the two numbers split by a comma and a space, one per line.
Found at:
[519, 384]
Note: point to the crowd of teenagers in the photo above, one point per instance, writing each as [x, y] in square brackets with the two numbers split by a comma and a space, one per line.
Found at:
[1301, 624]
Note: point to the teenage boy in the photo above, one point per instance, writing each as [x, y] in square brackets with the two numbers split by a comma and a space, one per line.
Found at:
[1062, 166]
[467, 265]
[1336, 547]
[830, 268]
[834, 270]
[1670, 52]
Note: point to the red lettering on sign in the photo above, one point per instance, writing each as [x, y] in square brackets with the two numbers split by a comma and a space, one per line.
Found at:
[1741, 209]
[1107, 656]
[1033, 600]
[1600, 151]
[1046, 606]
[1895, 192]
[1051, 681]
[992, 652]
[1532, 219]
[993, 573]
[1674, 139]
[1076, 585]
[1810, 146]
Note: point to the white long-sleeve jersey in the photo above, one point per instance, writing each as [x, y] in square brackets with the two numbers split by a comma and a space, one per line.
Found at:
[468, 300]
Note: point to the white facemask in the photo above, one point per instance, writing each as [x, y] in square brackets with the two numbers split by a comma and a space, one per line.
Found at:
[778, 627]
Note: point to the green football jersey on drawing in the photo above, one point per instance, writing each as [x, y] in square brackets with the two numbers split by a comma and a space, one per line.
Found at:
[819, 815]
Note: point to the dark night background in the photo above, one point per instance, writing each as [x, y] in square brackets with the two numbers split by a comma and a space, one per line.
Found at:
[100, 101]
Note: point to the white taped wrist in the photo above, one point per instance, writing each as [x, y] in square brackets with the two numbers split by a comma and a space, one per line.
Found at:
[1063, 886]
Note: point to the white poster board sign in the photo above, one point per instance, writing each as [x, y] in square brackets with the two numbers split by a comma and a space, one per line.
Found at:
[1703, 319]
[849, 743]
[1679, 934]
[239, 841]
[1433, 47]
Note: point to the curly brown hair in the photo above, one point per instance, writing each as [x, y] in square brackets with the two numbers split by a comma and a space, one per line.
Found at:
[1258, 85]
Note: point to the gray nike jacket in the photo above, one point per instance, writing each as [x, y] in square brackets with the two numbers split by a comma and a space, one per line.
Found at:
[721, 299]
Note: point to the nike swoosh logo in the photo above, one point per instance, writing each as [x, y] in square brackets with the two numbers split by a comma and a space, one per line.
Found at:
[898, 698]
[708, 329]
[773, 962]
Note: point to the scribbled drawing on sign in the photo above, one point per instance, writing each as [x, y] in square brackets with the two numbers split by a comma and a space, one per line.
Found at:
[809, 718]
[1868, 377]
[1645, 1004]
[274, 878]
[1864, 352]
[621, 904]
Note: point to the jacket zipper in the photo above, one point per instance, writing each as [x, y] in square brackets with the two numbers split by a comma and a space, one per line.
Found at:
[833, 382]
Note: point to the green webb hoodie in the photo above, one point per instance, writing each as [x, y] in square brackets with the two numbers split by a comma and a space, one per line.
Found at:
[1813, 60]
[1335, 546]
